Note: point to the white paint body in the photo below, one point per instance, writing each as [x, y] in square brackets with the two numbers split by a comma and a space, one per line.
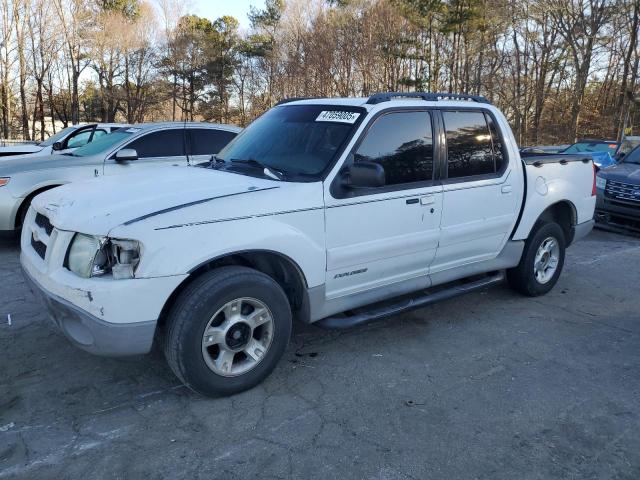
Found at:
[324, 236]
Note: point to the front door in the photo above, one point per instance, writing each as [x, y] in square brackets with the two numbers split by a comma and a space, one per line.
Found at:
[156, 148]
[387, 235]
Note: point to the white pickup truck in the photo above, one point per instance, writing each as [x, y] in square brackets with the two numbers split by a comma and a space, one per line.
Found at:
[329, 211]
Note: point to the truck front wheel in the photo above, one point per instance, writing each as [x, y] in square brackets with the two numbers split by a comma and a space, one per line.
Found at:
[227, 331]
[541, 263]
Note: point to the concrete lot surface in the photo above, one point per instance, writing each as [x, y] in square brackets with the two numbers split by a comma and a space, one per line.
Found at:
[488, 386]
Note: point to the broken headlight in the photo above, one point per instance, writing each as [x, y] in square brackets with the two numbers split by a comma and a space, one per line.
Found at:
[91, 256]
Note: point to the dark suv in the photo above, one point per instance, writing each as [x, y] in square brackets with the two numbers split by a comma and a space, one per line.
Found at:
[618, 203]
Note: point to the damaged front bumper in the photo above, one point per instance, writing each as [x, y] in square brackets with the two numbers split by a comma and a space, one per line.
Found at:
[91, 333]
[103, 316]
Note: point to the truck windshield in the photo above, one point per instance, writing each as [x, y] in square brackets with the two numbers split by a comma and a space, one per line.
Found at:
[104, 143]
[300, 141]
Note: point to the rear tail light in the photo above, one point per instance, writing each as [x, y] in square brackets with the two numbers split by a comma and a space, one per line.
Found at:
[593, 188]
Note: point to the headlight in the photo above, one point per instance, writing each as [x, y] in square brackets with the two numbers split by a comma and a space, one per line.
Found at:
[601, 183]
[4, 181]
[82, 253]
[91, 256]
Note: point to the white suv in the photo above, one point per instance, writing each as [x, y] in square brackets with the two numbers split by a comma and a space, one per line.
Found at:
[333, 211]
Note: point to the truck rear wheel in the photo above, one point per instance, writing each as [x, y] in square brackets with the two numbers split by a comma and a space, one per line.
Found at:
[541, 263]
[227, 331]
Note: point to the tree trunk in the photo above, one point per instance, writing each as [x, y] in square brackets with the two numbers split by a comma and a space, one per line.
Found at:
[623, 100]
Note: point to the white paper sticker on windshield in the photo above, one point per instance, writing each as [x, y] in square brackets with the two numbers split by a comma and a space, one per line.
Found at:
[132, 130]
[337, 116]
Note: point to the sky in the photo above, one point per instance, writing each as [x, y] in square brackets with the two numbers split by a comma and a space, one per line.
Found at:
[213, 9]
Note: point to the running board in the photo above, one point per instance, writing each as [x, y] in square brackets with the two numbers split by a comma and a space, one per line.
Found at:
[378, 312]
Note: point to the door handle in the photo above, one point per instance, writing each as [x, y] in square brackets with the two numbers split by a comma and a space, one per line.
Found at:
[507, 189]
[428, 200]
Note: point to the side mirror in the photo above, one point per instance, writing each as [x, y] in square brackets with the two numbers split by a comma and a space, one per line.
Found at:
[57, 146]
[364, 175]
[126, 155]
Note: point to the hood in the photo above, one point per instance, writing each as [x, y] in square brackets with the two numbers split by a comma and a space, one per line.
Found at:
[622, 172]
[166, 195]
[10, 166]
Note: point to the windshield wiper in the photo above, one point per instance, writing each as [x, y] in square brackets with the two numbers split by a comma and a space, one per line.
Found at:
[267, 170]
[215, 161]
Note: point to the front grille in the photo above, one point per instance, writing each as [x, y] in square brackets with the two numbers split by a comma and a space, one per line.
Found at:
[39, 247]
[43, 222]
[623, 191]
[634, 206]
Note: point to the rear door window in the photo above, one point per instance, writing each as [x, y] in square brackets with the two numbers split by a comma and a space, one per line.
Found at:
[469, 147]
[208, 141]
[161, 143]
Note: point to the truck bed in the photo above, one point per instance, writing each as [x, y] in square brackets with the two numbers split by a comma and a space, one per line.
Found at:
[552, 179]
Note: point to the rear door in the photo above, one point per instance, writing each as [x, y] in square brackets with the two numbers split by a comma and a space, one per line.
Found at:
[156, 148]
[387, 235]
[480, 201]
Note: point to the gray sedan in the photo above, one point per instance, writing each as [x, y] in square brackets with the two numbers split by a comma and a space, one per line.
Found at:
[125, 150]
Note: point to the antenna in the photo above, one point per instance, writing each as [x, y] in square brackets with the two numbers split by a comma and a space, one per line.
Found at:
[184, 141]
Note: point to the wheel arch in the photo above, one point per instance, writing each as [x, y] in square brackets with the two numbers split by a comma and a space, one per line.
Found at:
[281, 268]
[564, 213]
[24, 205]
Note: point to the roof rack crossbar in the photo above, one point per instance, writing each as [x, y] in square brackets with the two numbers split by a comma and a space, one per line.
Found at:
[427, 96]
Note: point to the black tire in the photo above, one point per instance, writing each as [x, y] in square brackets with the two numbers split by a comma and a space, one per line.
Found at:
[194, 308]
[522, 278]
[22, 214]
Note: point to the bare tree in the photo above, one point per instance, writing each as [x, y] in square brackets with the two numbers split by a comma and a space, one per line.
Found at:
[20, 13]
[8, 25]
[75, 16]
[580, 22]
[630, 70]
[44, 44]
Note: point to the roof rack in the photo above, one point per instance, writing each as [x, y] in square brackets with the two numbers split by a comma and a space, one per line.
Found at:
[427, 96]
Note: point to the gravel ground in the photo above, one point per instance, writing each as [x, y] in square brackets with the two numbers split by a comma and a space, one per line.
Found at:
[487, 386]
